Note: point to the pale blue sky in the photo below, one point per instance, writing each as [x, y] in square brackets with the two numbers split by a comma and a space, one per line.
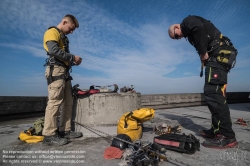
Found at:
[121, 41]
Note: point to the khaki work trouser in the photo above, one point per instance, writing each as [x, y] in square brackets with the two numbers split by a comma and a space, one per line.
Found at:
[59, 96]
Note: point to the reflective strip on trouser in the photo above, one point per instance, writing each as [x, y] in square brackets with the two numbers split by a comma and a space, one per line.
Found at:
[215, 96]
[60, 103]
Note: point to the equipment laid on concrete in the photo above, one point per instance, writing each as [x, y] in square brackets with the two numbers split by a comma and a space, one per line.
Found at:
[127, 89]
[78, 93]
[142, 152]
[166, 129]
[106, 88]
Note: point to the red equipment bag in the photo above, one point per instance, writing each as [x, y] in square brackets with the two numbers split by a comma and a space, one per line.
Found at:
[93, 91]
[78, 93]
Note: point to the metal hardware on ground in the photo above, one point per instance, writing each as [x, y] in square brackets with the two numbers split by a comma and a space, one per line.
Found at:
[168, 159]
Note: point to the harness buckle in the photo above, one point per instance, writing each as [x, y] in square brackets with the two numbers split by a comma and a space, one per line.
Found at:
[52, 61]
[227, 43]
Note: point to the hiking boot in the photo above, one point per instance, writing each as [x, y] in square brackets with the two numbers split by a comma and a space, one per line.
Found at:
[220, 142]
[54, 140]
[70, 134]
[207, 133]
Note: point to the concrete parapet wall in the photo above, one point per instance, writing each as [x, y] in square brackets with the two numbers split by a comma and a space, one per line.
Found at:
[160, 101]
[172, 100]
[21, 104]
[12, 107]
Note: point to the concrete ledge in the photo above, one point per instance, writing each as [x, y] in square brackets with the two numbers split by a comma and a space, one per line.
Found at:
[160, 101]
[19, 104]
[12, 107]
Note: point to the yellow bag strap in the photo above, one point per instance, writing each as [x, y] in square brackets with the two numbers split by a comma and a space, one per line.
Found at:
[125, 119]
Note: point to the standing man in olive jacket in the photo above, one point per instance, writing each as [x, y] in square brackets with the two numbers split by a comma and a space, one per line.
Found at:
[56, 44]
[218, 54]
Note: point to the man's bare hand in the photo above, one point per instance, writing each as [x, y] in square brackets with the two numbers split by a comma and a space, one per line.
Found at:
[204, 57]
[78, 60]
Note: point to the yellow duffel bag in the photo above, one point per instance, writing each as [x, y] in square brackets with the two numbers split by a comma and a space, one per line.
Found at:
[131, 122]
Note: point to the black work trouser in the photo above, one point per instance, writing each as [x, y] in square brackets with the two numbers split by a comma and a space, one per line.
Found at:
[215, 96]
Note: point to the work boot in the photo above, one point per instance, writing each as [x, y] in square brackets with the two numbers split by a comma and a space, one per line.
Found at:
[54, 140]
[70, 134]
[207, 133]
[221, 142]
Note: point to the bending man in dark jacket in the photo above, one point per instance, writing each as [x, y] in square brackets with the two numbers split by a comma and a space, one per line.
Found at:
[218, 54]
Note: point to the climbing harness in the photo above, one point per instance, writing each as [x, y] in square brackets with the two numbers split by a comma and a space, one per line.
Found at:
[64, 39]
[52, 61]
[223, 51]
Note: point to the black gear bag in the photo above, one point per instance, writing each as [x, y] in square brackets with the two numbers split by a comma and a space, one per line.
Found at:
[181, 143]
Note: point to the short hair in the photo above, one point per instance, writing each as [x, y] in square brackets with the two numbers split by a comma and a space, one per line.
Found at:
[73, 19]
[171, 31]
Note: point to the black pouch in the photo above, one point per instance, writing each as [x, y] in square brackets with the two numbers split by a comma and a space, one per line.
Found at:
[121, 144]
[215, 75]
[227, 57]
[181, 143]
[226, 54]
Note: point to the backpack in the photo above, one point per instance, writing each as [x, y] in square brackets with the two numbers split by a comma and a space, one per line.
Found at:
[33, 134]
[38, 126]
[131, 122]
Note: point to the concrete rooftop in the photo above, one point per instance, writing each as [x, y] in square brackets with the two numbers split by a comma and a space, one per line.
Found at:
[90, 149]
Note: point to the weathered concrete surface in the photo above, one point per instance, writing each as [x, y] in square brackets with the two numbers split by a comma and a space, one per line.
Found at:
[96, 110]
[190, 118]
